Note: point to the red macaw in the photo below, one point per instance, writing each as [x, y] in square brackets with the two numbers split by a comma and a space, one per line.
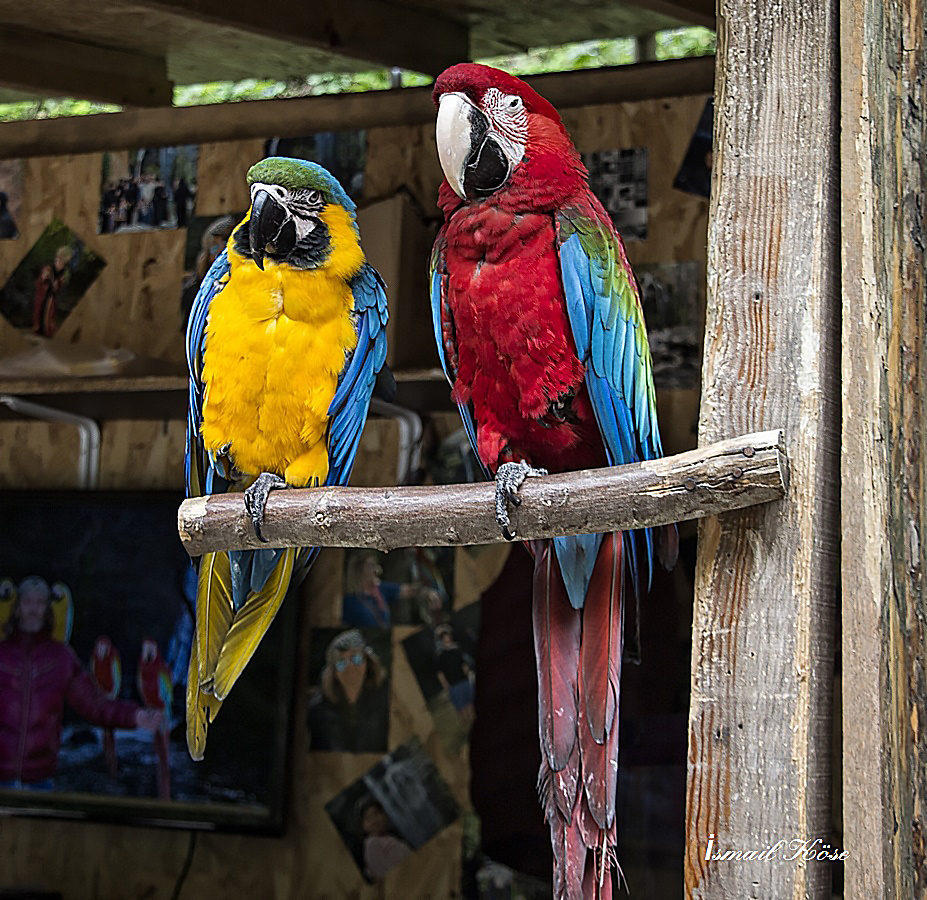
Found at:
[156, 688]
[106, 670]
[541, 335]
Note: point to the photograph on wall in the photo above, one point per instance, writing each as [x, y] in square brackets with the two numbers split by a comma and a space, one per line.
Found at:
[442, 659]
[49, 281]
[393, 810]
[673, 296]
[147, 189]
[11, 197]
[349, 689]
[343, 153]
[619, 179]
[409, 586]
[206, 239]
[96, 627]
[694, 176]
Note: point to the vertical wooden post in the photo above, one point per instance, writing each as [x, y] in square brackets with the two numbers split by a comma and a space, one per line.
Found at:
[884, 507]
[762, 655]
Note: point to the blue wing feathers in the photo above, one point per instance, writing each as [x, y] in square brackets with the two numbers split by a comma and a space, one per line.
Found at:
[349, 407]
[617, 375]
[199, 466]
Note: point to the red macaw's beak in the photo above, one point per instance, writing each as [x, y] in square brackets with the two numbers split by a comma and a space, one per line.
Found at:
[271, 231]
[474, 162]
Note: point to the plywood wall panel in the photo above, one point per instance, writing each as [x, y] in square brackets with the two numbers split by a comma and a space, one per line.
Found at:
[143, 455]
[38, 455]
[222, 186]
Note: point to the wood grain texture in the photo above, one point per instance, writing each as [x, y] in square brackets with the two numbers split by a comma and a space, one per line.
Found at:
[762, 652]
[410, 38]
[39, 62]
[884, 477]
[222, 185]
[729, 475]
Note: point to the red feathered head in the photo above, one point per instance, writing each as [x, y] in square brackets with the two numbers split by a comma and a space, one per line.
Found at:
[474, 79]
[494, 131]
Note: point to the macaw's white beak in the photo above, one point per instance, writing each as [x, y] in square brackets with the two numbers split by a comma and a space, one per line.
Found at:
[454, 135]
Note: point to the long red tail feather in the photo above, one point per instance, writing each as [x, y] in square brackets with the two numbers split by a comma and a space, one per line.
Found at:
[599, 685]
[600, 652]
[557, 629]
[579, 668]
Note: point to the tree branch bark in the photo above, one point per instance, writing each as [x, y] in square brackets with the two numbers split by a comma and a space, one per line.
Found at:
[731, 474]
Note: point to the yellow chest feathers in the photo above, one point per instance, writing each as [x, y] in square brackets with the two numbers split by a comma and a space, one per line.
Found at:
[275, 345]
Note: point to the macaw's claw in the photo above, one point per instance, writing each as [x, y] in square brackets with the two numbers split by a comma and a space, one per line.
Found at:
[509, 478]
[256, 499]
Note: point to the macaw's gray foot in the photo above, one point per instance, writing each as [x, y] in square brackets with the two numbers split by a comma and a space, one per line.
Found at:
[509, 478]
[256, 499]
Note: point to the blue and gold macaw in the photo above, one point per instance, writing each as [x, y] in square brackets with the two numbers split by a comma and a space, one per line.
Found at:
[285, 345]
[63, 606]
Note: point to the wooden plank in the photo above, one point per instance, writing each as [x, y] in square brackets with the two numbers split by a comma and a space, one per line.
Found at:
[299, 116]
[883, 57]
[693, 12]
[60, 67]
[762, 648]
[407, 37]
[728, 475]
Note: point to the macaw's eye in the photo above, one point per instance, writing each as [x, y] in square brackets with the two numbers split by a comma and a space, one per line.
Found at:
[313, 197]
[514, 104]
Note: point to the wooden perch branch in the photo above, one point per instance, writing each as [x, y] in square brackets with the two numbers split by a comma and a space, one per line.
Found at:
[732, 474]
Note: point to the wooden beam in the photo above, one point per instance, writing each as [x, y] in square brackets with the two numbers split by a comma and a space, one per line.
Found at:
[766, 579]
[883, 58]
[381, 33]
[728, 475]
[61, 67]
[692, 12]
[296, 117]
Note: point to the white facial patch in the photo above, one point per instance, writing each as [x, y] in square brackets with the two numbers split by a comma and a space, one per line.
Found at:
[509, 120]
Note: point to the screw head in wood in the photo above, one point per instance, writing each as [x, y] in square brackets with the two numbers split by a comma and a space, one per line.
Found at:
[749, 451]
[689, 484]
[737, 472]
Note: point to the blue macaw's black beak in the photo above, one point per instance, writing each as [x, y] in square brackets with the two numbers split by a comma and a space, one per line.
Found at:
[486, 168]
[271, 232]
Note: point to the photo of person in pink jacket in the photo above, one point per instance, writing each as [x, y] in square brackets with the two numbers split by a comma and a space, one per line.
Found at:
[38, 674]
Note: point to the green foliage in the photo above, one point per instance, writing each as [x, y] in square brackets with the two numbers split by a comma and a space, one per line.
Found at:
[672, 44]
[50, 109]
[680, 42]
[585, 55]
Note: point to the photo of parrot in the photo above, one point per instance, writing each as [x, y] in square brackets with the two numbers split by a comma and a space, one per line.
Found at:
[106, 671]
[540, 332]
[286, 343]
[63, 608]
[156, 690]
[7, 600]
